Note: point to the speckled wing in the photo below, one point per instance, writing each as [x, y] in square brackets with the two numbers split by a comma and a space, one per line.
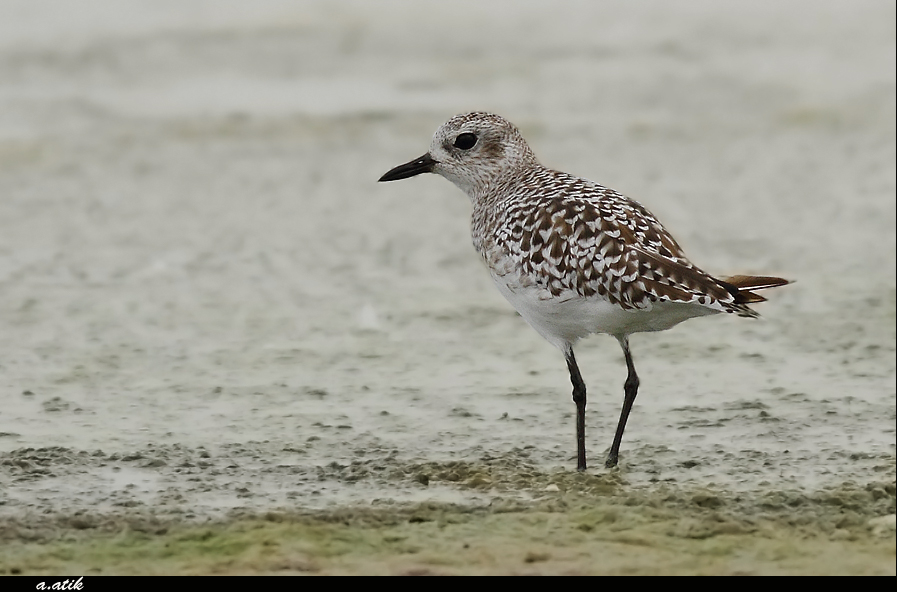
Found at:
[589, 241]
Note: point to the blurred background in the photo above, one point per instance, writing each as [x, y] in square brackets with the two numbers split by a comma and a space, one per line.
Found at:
[194, 251]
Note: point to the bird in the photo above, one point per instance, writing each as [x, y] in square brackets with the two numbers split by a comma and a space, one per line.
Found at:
[573, 257]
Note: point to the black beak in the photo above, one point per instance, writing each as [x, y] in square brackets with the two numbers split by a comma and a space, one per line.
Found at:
[424, 164]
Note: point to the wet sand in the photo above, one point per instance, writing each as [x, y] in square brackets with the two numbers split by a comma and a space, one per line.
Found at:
[215, 322]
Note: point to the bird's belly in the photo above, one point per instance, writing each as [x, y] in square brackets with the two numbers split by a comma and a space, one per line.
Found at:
[568, 317]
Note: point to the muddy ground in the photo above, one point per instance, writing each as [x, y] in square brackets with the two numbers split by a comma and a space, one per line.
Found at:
[224, 348]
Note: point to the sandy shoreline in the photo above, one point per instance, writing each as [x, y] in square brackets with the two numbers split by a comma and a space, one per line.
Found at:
[514, 519]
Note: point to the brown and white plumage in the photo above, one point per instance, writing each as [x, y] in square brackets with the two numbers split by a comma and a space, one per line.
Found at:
[572, 256]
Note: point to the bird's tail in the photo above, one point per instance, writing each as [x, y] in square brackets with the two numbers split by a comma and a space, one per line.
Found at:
[742, 287]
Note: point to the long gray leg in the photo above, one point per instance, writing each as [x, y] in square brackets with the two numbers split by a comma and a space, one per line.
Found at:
[579, 397]
[630, 390]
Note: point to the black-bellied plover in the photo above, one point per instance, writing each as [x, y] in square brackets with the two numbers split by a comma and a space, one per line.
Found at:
[573, 257]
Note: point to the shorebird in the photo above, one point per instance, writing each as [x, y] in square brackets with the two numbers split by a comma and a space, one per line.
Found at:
[571, 256]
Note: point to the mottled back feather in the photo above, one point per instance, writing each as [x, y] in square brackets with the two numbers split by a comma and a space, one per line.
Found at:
[578, 237]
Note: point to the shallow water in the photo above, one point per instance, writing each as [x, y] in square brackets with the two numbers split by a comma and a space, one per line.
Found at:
[209, 303]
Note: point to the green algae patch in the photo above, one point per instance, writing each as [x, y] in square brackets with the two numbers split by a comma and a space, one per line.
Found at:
[658, 532]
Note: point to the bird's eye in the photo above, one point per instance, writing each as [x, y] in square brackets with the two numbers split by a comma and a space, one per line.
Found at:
[465, 141]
